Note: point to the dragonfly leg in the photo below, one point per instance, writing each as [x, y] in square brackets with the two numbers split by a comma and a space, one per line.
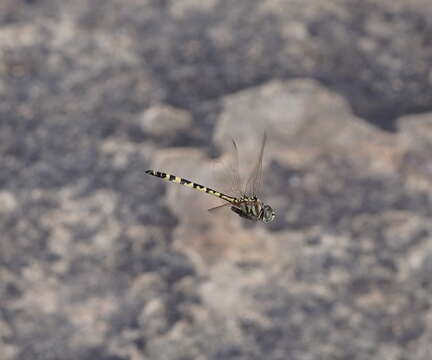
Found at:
[218, 207]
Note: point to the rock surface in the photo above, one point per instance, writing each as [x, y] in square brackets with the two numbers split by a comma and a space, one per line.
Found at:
[100, 261]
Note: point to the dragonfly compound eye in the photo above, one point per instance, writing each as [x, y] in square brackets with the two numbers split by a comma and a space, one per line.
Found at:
[268, 214]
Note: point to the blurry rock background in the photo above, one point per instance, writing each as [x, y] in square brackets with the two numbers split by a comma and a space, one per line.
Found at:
[100, 261]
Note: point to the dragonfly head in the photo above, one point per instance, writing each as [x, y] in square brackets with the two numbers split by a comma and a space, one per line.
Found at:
[267, 214]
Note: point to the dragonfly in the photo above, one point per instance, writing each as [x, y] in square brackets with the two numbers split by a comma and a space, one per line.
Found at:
[247, 203]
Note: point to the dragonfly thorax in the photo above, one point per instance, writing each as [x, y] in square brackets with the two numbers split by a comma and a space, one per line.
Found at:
[253, 209]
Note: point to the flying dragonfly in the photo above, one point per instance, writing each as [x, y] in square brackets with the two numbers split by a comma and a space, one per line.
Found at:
[246, 204]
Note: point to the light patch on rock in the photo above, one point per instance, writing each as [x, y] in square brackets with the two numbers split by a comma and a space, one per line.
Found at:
[415, 140]
[227, 294]
[164, 120]
[415, 127]
[304, 116]
[89, 317]
[8, 202]
[183, 8]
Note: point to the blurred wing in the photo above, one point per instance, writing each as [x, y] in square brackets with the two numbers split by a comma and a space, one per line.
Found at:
[235, 171]
[227, 173]
[254, 183]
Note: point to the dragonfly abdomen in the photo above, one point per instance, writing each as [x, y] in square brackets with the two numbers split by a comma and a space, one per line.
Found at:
[190, 184]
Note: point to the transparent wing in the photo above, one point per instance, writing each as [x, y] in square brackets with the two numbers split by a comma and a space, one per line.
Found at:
[254, 183]
[235, 171]
[227, 174]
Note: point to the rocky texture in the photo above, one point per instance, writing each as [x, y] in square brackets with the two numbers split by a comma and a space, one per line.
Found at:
[165, 122]
[100, 261]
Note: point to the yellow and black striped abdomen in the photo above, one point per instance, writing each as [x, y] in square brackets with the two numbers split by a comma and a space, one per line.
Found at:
[190, 184]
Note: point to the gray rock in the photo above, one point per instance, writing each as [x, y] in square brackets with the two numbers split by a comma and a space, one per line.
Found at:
[165, 121]
[100, 261]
